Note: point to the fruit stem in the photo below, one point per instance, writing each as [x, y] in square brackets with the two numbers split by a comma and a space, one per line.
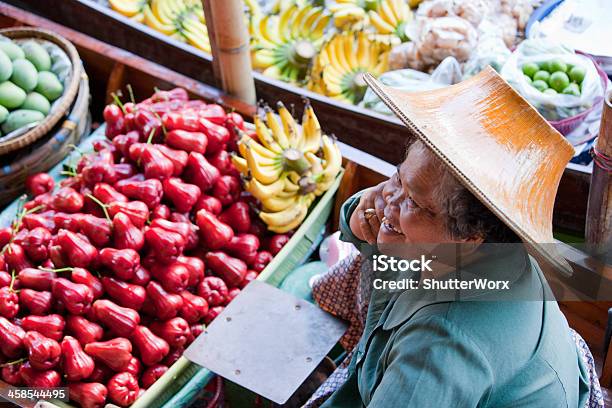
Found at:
[301, 52]
[359, 86]
[101, 204]
[12, 280]
[59, 270]
[306, 185]
[294, 160]
[10, 363]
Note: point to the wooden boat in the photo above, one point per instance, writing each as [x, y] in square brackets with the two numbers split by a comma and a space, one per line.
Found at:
[380, 135]
[111, 68]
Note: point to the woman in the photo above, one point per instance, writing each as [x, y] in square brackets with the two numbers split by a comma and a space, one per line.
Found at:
[474, 348]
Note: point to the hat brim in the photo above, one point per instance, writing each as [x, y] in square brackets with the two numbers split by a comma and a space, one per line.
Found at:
[497, 145]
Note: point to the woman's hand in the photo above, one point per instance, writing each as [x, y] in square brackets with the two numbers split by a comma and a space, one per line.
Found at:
[365, 224]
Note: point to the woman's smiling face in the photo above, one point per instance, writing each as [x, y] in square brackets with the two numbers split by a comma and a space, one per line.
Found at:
[412, 214]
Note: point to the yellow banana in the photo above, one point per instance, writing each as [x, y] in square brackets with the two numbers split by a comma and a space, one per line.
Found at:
[381, 25]
[154, 23]
[339, 67]
[315, 163]
[273, 71]
[312, 130]
[277, 132]
[284, 24]
[290, 186]
[286, 220]
[264, 174]
[263, 58]
[128, 8]
[301, 13]
[265, 137]
[289, 126]
[276, 203]
[261, 191]
[139, 18]
[309, 20]
[363, 50]
[240, 164]
[260, 152]
[319, 27]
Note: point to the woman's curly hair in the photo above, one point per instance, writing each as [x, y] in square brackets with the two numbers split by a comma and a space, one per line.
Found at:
[466, 216]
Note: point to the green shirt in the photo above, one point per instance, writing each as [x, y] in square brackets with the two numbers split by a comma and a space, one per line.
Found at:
[419, 352]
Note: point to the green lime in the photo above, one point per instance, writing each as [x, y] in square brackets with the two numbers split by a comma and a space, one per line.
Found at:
[577, 74]
[572, 89]
[559, 81]
[540, 85]
[541, 75]
[544, 66]
[527, 78]
[558, 65]
[530, 69]
[550, 91]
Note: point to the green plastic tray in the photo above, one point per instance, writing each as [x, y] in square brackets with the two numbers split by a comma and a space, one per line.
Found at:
[179, 385]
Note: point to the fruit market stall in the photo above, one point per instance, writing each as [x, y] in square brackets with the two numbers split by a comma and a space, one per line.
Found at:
[133, 197]
[371, 131]
[93, 183]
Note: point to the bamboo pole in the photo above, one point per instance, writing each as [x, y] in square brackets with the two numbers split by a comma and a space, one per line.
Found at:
[599, 211]
[229, 40]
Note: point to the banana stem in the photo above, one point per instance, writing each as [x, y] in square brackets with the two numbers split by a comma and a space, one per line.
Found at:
[294, 160]
[301, 52]
[359, 86]
[306, 185]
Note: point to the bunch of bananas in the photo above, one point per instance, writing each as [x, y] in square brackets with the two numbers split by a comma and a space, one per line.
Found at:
[352, 14]
[391, 18]
[338, 69]
[284, 45]
[180, 19]
[287, 166]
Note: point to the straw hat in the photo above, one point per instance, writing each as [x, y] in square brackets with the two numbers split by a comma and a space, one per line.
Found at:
[497, 145]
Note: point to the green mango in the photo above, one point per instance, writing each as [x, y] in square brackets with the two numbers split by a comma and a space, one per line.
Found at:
[19, 118]
[6, 67]
[3, 113]
[49, 86]
[37, 55]
[11, 96]
[11, 49]
[24, 74]
[37, 102]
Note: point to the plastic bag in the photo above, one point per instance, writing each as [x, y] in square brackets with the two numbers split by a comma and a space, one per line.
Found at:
[556, 106]
[470, 10]
[446, 37]
[490, 51]
[447, 73]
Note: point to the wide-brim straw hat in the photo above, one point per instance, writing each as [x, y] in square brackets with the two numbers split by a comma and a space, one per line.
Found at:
[497, 145]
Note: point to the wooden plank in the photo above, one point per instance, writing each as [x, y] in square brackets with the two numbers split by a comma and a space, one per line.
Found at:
[591, 333]
[599, 215]
[116, 81]
[348, 187]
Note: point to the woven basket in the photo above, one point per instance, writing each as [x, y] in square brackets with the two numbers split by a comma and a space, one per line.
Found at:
[45, 153]
[65, 101]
